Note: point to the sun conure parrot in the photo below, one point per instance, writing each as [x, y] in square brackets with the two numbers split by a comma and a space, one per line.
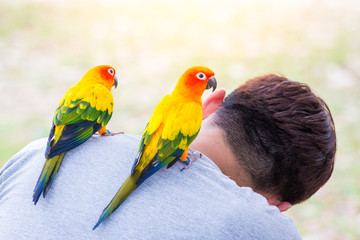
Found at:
[174, 124]
[85, 109]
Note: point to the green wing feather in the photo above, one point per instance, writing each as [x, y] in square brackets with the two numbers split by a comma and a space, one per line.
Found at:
[81, 118]
[76, 119]
[157, 149]
[171, 115]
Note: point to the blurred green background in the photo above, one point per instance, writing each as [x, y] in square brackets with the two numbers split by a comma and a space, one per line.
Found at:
[46, 47]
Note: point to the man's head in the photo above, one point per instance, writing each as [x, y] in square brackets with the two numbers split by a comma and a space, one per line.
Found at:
[282, 135]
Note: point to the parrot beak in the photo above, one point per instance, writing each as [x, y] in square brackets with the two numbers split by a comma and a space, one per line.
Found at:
[115, 82]
[211, 83]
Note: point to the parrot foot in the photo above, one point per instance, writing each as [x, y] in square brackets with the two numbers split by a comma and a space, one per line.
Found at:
[190, 160]
[108, 133]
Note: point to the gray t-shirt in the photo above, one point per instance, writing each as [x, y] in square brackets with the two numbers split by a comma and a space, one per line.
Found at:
[197, 203]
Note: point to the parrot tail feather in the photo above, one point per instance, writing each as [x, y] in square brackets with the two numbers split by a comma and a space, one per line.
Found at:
[128, 186]
[47, 176]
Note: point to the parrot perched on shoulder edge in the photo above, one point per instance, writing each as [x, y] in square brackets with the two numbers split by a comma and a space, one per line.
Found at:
[85, 109]
[174, 124]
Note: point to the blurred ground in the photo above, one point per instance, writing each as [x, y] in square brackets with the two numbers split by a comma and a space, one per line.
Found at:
[46, 47]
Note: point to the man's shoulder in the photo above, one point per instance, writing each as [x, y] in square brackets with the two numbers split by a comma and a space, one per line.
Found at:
[239, 211]
[193, 203]
[35, 150]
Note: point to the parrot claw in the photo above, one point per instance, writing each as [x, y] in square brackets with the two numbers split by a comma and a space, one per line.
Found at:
[108, 133]
[190, 160]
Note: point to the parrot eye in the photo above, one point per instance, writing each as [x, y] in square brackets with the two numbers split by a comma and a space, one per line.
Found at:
[111, 71]
[201, 76]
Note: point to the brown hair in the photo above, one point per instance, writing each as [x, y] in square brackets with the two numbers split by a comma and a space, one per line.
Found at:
[282, 134]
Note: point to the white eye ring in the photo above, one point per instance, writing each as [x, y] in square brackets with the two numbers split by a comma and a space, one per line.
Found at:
[201, 76]
[111, 71]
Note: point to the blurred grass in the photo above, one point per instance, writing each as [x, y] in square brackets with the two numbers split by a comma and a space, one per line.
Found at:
[46, 47]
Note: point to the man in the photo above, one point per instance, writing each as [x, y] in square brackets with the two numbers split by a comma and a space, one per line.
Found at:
[280, 137]
[270, 134]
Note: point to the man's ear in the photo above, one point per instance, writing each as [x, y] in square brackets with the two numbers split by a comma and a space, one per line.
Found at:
[282, 206]
[212, 102]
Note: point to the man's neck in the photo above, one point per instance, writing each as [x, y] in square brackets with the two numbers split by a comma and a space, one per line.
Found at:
[211, 141]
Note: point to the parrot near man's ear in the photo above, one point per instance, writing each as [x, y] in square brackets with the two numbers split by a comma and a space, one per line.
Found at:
[85, 109]
[174, 124]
